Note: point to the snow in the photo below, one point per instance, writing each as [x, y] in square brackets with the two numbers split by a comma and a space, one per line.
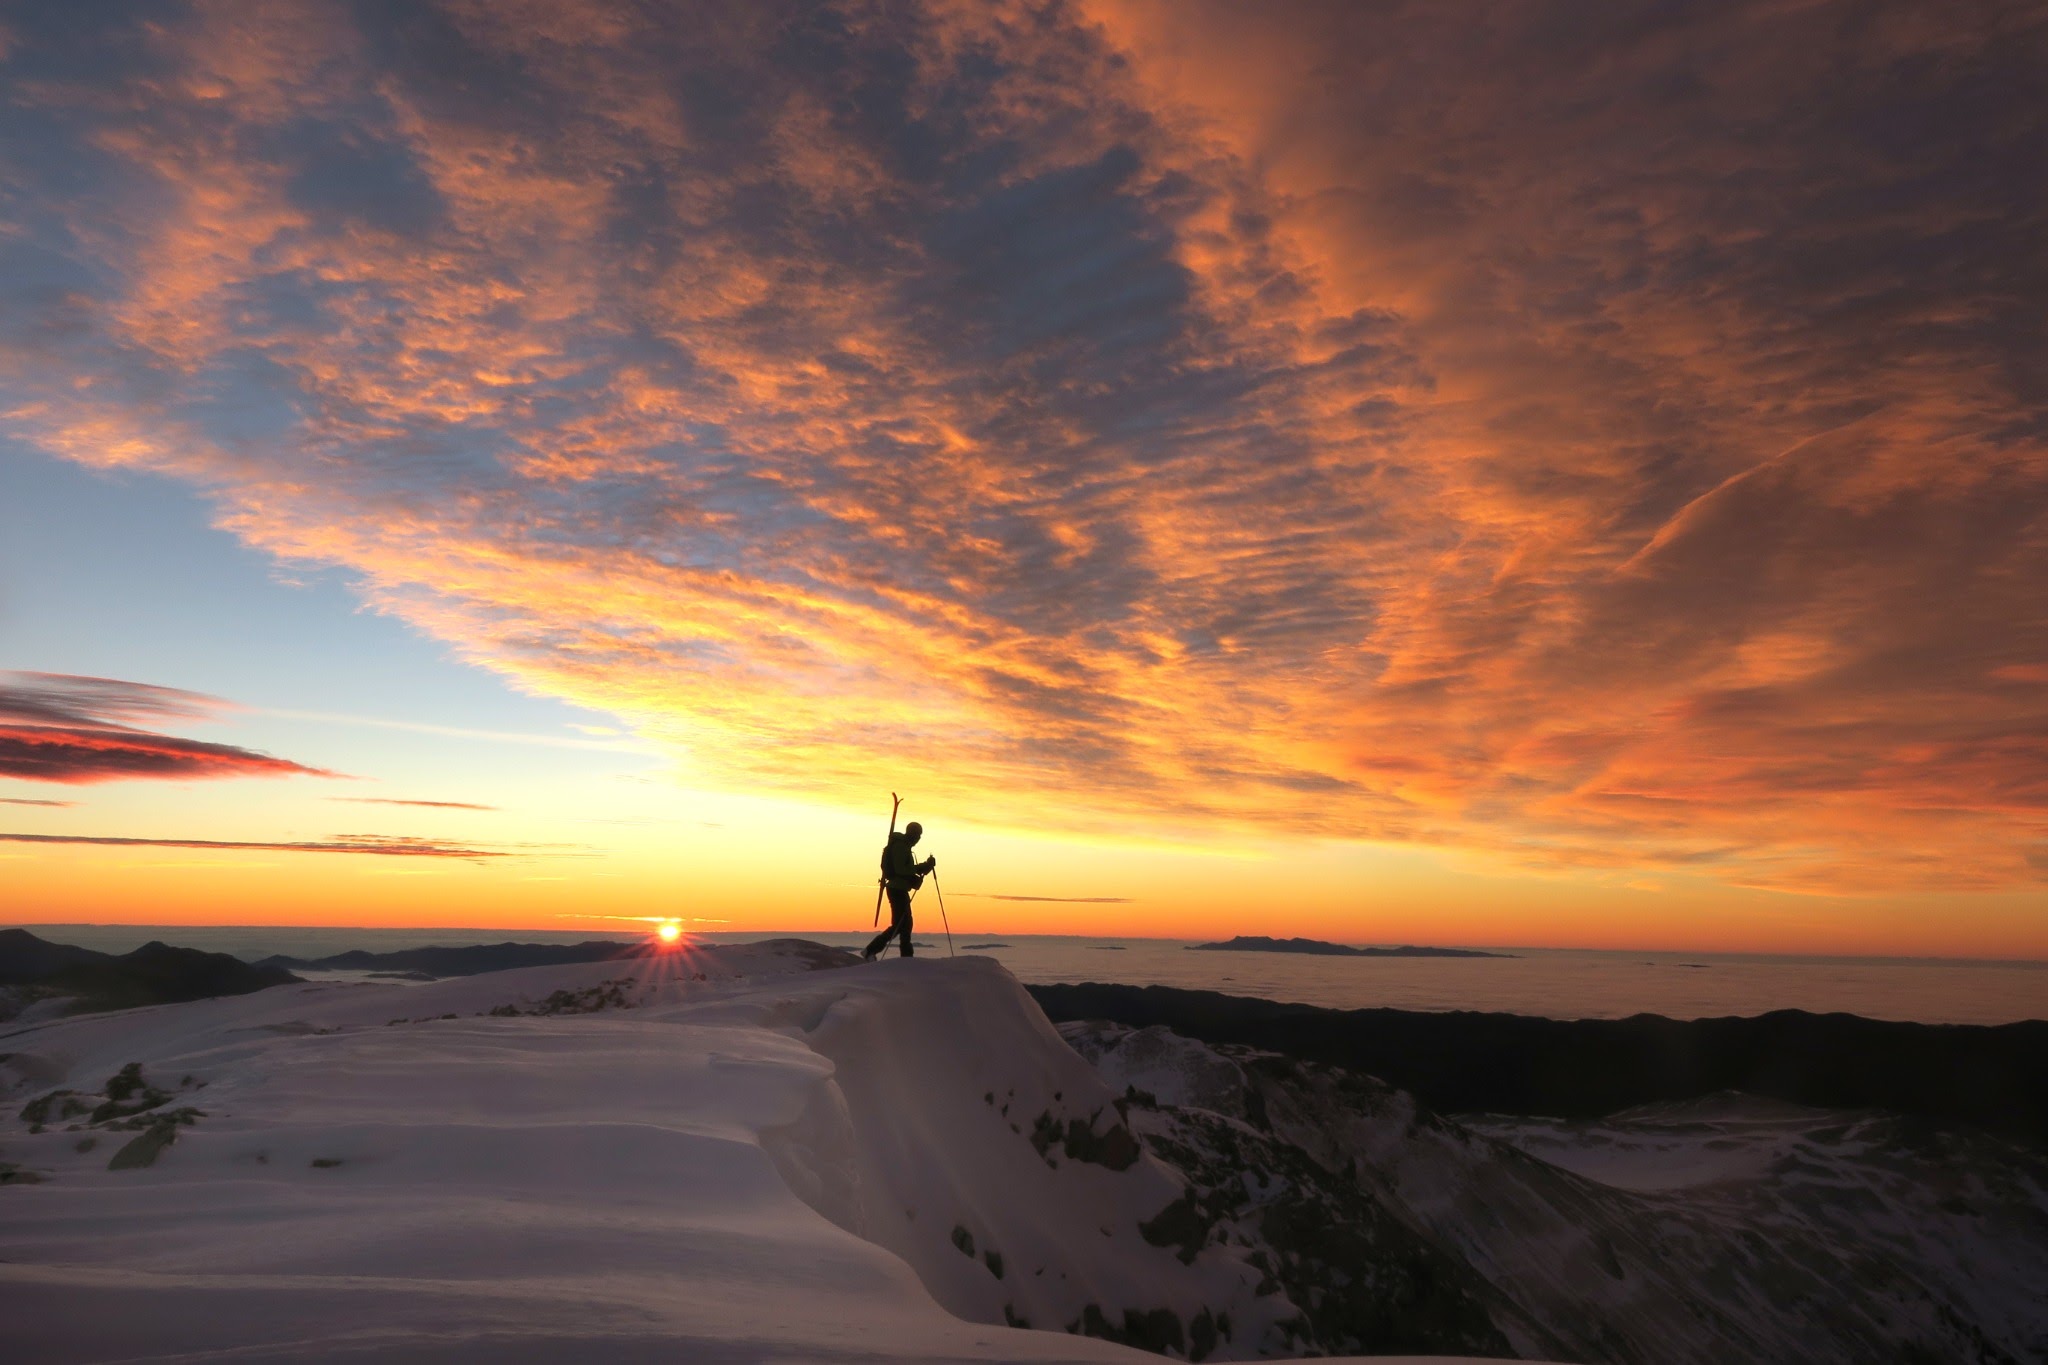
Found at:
[1722, 1227]
[1173, 1070]
[744, 1153]
[1717, 1140]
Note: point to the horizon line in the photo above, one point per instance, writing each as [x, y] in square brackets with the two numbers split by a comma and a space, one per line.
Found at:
[1138, 938]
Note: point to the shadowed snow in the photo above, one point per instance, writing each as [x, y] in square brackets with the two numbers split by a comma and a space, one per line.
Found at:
[726, 1154]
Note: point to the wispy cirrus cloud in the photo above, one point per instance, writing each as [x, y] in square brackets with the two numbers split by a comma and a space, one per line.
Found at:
[58, 728]
[402, 801]
[616, 742]
[1611, 438]
[374, 845]
[31, 801]
[1062, 900]
[65, 700]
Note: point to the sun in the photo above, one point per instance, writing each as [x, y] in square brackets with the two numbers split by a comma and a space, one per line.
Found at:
[668, 931]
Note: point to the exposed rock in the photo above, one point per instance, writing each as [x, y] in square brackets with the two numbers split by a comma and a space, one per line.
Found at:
[1995, 1078]
[1723, 1229]
[144, 1149]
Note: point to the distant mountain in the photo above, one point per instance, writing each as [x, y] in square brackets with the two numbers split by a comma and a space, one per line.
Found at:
[25, 959]
[468, 961]
[154, 974]
[1257, 943]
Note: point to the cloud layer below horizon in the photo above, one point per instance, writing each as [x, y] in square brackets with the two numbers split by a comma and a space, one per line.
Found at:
[1608, 438]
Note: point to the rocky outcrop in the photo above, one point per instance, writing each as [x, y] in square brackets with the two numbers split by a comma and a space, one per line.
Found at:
[1713, 1232]
[1463, 1062]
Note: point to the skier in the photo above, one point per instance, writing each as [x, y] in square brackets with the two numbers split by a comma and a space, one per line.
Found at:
[900, 876]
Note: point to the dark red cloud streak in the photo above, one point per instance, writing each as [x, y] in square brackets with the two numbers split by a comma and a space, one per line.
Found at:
[55, 728]
[71, 755]
[375, 845]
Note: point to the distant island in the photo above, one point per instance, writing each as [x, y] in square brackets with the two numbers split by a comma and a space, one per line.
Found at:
[1257, 943]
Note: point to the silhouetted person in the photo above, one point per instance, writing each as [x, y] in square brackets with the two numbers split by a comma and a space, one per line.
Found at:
[900, 876]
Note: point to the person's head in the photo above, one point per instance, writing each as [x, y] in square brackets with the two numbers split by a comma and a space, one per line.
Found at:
[913, 831]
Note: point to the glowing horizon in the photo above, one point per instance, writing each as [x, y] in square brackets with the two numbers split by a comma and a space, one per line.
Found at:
[1569, 480]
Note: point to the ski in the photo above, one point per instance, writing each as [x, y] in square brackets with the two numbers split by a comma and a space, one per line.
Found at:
[895, 804]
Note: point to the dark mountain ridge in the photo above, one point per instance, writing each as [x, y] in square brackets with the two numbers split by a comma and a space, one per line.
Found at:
[154, 974]
[466, 961]
[1995, 1078]
[24, 958]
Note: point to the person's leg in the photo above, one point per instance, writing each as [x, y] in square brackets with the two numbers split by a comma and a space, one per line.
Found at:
[881, 940]
[899, 916]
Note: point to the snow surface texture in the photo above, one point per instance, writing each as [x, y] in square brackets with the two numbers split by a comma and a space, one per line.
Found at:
[1723, 1229]
[735, 1154]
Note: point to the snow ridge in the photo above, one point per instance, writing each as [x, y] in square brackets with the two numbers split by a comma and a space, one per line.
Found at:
[741, 1153]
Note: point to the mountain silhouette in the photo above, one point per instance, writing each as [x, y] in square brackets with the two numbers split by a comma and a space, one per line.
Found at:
[154, 974]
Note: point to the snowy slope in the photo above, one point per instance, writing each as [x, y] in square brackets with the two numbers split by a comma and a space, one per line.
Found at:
[742, 1153]
[1723, 1229]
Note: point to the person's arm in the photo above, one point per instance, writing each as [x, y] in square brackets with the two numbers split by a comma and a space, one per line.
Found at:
[924, 868]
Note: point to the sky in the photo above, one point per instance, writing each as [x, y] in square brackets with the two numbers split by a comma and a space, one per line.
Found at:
[1527, 474]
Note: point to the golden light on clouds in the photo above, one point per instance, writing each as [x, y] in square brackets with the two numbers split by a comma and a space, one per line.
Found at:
[1592, 445]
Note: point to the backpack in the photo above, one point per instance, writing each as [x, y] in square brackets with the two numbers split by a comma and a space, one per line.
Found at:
[908, 872]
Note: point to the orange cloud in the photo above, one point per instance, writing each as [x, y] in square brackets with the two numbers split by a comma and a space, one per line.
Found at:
[1594, 440]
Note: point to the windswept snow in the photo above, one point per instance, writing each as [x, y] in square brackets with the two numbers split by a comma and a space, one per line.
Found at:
[718, 1155]
[1725, 1228]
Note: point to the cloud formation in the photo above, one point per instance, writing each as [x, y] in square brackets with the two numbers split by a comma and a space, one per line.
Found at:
[1612, 437]
[57, 728]
[400, 801]
[376, 845]
[1063, 900]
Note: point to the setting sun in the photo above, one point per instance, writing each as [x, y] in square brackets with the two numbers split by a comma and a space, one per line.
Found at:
[668, 931]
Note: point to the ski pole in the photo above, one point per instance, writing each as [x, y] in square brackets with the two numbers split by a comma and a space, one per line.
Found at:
[942, 912]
